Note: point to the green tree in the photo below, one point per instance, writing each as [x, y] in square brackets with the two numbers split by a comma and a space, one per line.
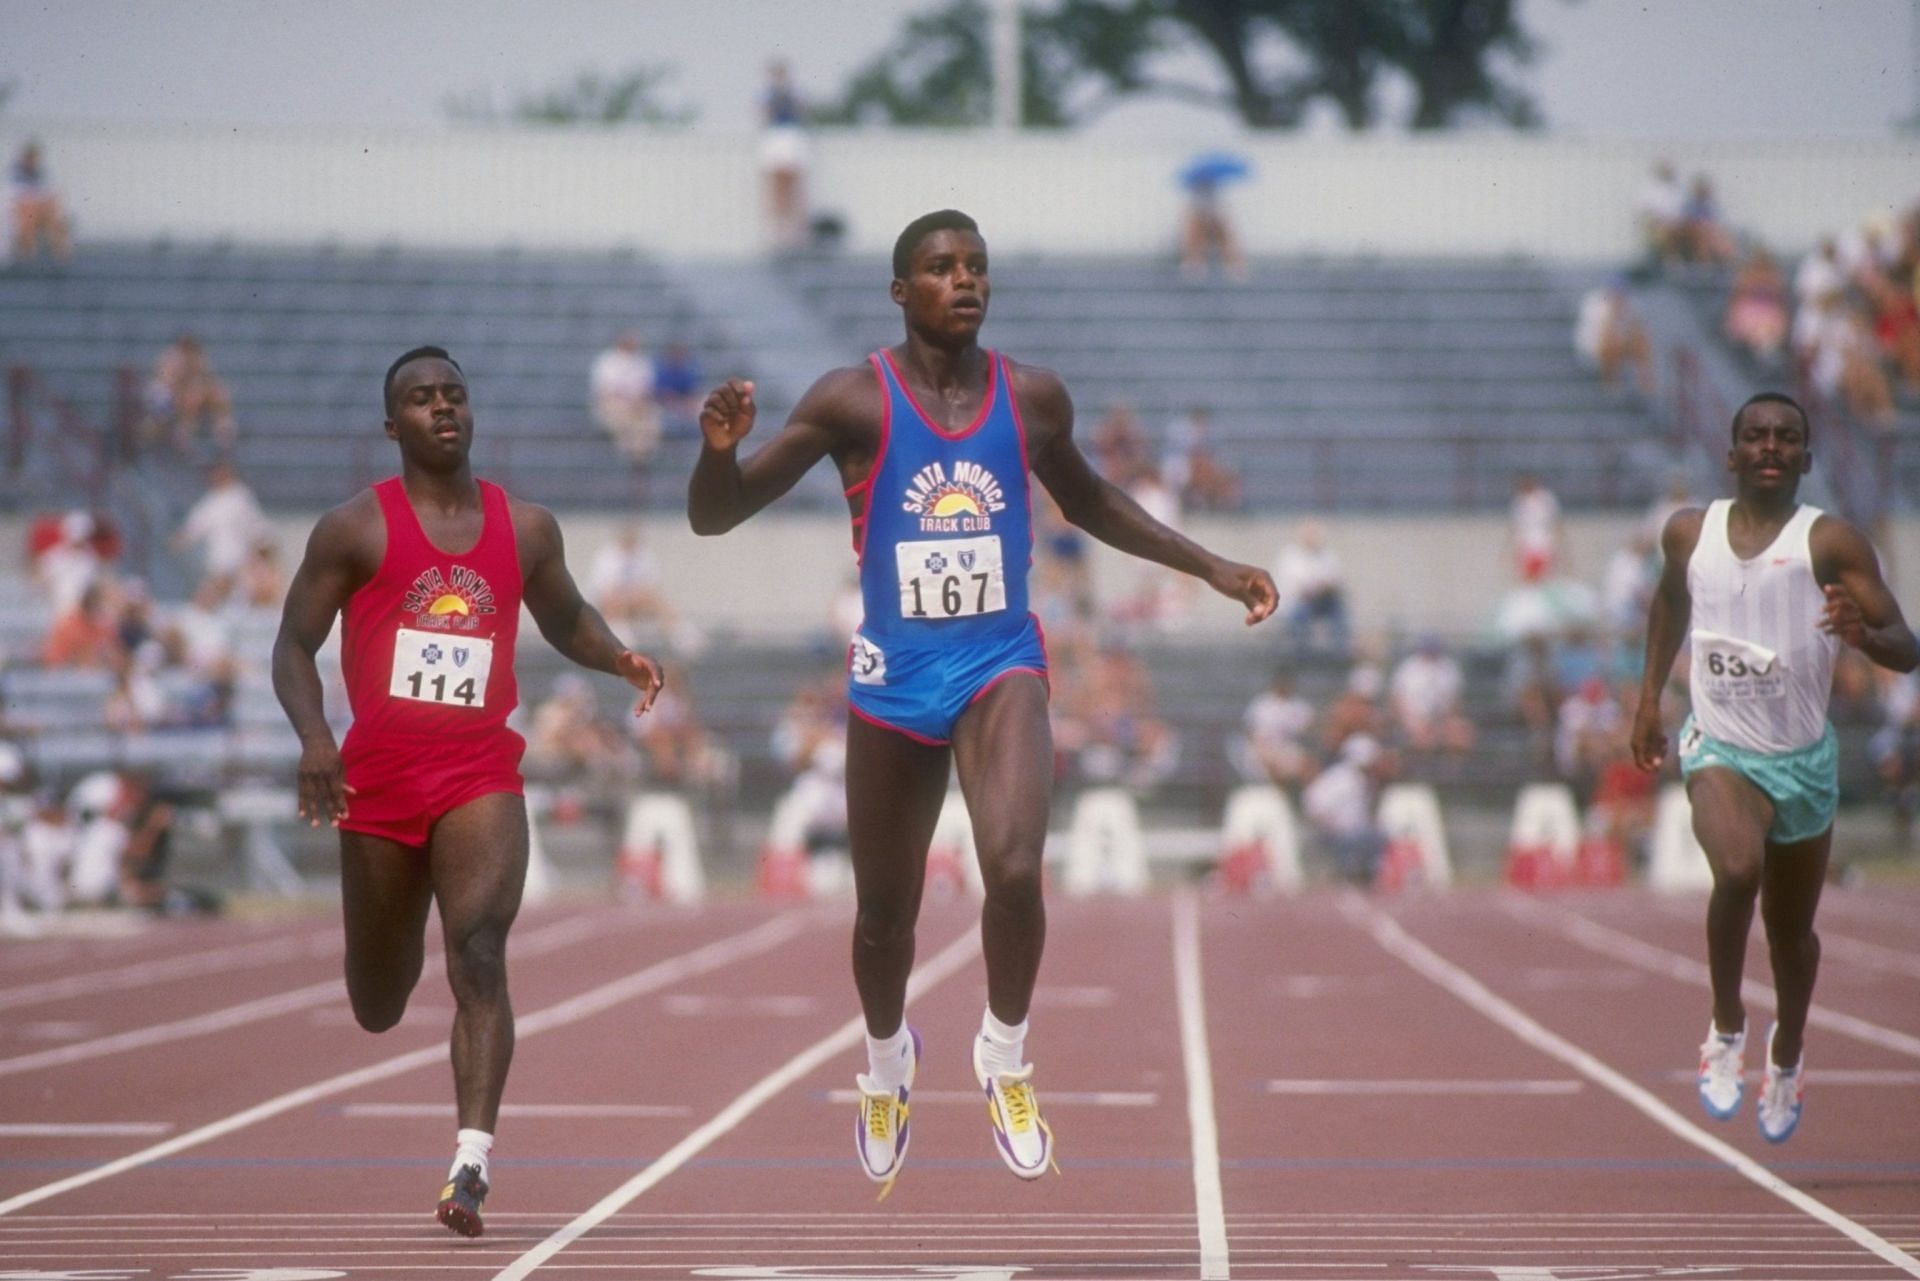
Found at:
[591, 99]
[1277, 57]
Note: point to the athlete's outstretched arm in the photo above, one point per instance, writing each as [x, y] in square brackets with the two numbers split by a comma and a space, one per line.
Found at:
[1860, 609]
[334, 567]
[1667, 620]
[1104, 510]
[572, 626]
[725, 491]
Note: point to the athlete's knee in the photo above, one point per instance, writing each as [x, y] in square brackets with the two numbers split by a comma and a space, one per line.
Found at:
[477, 963]
[1737, 875]
[882, 926]
[376, 1009]
[1012, 882]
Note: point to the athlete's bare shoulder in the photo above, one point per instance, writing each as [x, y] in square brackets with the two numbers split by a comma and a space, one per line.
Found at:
[844, 400]
[1041, 396]
[352, 536]
[1837, 544]
[536, 532]
[1681, 534]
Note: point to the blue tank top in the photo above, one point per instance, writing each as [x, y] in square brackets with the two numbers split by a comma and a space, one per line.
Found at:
[946, 539]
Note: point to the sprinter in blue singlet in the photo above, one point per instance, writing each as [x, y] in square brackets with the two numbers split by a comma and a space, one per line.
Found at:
[935, 439]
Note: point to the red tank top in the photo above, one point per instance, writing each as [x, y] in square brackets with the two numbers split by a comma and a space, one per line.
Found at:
[427, 647]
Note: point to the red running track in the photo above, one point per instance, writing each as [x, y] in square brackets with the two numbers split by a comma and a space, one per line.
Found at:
[1475, 1085]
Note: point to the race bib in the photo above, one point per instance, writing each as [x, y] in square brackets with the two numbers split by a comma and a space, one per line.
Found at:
[867, 662]
[432, 667]
[951, 578]
[1725, 667]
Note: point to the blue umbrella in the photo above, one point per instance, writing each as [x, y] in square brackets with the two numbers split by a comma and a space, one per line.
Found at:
[1213, 168]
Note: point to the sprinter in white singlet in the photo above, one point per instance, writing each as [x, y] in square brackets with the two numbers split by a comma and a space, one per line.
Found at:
[1764, 591]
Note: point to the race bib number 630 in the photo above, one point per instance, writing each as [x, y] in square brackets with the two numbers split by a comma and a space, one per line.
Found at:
[951, 578]
[430, 667]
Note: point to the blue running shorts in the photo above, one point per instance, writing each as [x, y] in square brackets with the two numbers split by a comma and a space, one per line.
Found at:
[1803, 785]
[921, 691]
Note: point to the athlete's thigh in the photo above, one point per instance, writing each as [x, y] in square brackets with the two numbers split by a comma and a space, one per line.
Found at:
[478, 853]
[1791, 882]
[385, 892]
[895, 787]
[1731, 817]
[1003, 752]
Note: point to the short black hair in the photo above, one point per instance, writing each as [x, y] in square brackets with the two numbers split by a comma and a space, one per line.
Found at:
[922, 227]
[407, 358]
[1773, 398]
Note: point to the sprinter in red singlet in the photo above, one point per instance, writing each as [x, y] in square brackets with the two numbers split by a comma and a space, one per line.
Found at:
[431, 568]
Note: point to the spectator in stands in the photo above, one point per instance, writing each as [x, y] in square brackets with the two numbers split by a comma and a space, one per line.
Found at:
[784, 153]
[622, 389]
[1313, 590]
[1063, 579]
[1590, 731]
[1896, 328]
[1356, 709]
[122, 846]
[1844, 365]
[1609, 336]
[1703, 236]
[1206, 236]
[675, 749]
[1628, 586]
[138, 700]
[38, 218]
[1756, 318]
[16, 809]
[263, 580]
[1274, 730]
[1819, 275]
[1125, 741]
[1342, 805]
[1533, 529]
[680, 387]
[225, 522]
[1663, 214]
[71, 564]
[1895, 749]
[1191, 468]
[1119, 445]
[1160, 596]
[1532, 688]
[623, 582]
[84, 635]
[202, 633]
[187, 399]
[567, 741]
[46, 848]
[1426, 695]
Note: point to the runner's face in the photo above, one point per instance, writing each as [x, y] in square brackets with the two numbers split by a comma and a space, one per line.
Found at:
[431, 418]
[1769, 453]
[945, 292]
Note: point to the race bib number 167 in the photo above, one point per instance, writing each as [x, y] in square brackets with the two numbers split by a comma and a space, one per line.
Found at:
[951, 578]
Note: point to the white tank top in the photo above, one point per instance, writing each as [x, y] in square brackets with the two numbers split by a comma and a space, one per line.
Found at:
[1762, 670]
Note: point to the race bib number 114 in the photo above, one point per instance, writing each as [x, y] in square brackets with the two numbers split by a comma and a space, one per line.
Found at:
[430, 667]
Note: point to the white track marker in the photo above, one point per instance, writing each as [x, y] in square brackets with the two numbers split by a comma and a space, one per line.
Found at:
[83, 1129]
[546, 939]
[1208, 1204]
[1608, 941]
[1388, 934]
[760, 938]
[518, 1111]
[841, 1039]
[142, 973]
[1424, 1087]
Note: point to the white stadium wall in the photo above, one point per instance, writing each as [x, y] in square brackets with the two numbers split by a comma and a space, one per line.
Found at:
[696, 194]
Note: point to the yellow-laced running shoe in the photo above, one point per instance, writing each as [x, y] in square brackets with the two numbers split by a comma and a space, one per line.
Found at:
[1020, 1133]
[883, 1127]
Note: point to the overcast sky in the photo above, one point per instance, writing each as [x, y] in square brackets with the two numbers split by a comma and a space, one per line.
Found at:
[1609, 68]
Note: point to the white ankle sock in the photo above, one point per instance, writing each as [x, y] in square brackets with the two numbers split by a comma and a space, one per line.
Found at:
[472, 1147]
[890, 1058]
[1003, 1045]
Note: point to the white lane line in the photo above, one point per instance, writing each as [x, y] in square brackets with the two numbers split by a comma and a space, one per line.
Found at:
[144, 973]
[1304, 1086]
[714, 955]
[519, 1111]
[1197, 1059]
[1388, 934]
[1608, 941]
[546, 939]
[1055, 1098]
[1829, 1076]
[82, 1129]
[847, 1035]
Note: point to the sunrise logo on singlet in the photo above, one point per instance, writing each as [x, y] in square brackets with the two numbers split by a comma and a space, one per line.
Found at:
[960, 503]
[438, 604]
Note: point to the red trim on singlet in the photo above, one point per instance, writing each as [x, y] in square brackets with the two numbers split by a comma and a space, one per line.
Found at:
[1026, 459]
[873, 720]
[986, 401]
[860, 522]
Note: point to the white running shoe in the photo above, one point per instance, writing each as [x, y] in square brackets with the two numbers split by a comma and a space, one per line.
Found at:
[1020, 1133]
[1779, 1106]
[1722, 1060]
[883, 1128]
